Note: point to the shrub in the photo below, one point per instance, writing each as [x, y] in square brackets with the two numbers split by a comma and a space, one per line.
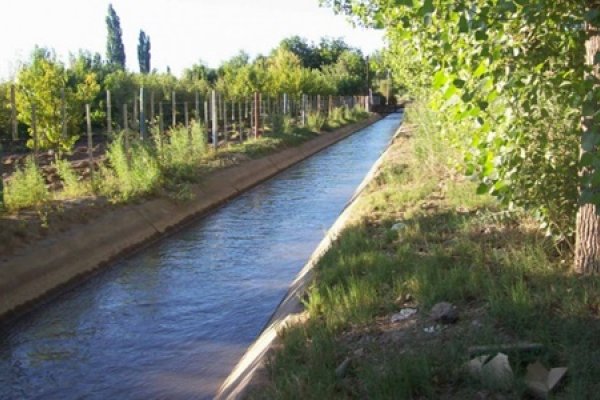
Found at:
[316, 121]
[26, 188]
[72, 186]
[132, 173]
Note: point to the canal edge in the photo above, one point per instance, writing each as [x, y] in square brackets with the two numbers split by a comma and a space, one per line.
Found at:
[250, 371]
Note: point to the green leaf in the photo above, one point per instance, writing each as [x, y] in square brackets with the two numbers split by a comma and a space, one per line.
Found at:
[439, 79]
[463, 25]
[459, 83]
[482, 188]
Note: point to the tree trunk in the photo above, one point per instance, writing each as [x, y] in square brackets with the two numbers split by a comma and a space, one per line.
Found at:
[587, 242]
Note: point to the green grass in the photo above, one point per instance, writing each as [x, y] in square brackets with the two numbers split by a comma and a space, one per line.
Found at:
[26, 188]
[506, 278]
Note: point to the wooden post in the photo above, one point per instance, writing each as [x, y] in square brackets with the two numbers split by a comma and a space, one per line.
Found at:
[142, 115]
[186, 115]
[197, 108]
[125, 120]
[241, 127]
[63, 117]
[161, 119]
[126, 132]
[330, 109]
[256, 114]
[225, 125]
[303, 110]
[88, 118]
[134, 116]
[213, 109]
[13, 113]
[108, 113]
[206, 113]
[35, 133]
[152, 114]
[173, 110]
[285, 104]
[245, 107]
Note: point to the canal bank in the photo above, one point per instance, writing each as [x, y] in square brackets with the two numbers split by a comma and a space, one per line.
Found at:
[47, 267]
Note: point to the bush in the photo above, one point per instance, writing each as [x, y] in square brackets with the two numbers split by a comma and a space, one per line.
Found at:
[72, 186]
[26, 188]
[130, 175]
[316, 121]
[182, 152]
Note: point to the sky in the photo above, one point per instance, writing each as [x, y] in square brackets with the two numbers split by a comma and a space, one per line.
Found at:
[182, 32]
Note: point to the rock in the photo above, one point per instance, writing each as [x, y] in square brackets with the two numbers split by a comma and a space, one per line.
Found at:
[404, 313]
[444, 312]
[341, 370]
[540, 381]
[497, 373]
[399, 226]
[359, 352]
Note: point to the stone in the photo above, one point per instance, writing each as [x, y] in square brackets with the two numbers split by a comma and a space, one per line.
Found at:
[404, 314]
[444, 312]
[497, 373]
[398, 226]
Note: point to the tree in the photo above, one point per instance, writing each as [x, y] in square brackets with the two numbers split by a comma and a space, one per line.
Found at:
[144, 52]
[115, 51]
[587, 246]
[512, 74]
[43, 84]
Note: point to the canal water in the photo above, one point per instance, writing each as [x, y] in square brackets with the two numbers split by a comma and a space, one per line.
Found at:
[172, 321]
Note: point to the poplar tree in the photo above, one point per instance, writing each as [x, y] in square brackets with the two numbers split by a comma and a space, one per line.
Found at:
[115, 51]
[144, 52]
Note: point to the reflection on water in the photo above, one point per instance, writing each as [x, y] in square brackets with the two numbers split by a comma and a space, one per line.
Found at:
[173, 320]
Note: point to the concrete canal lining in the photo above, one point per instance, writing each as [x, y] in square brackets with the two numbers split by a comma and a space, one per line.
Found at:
[250, 371]
[48, 265]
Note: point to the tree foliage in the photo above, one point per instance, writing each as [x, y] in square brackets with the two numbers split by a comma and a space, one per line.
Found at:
[144, 52]
[115, 50]
[508, 76]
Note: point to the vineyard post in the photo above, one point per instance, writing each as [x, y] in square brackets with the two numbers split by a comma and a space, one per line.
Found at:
[303, 110]
[63, 117]
[173, 110]
[134, 115]
[90, 143]
[206, 113]
[186, 115]
[142, 115]
[152, 114]
[256, 113]
[224, 114]
[108, 113]
[161, 119]
[13, 113]
[126, 133]
[35, 133]
[197, 107]
[213, 110]
[241, 127]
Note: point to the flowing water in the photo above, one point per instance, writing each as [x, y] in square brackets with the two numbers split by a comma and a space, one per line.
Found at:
[172, 321]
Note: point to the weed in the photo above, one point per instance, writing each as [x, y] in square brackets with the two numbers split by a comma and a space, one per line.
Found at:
[26, 188]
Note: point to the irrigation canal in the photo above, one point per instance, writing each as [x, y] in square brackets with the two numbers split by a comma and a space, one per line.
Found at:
[172, 321]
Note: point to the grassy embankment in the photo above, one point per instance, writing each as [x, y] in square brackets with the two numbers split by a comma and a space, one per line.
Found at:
[167, 164]
[508, 281]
